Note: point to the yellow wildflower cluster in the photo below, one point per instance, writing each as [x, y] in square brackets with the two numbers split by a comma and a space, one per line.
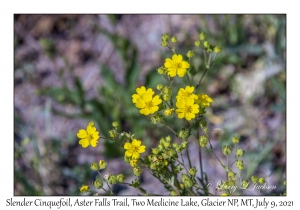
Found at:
[145, 101]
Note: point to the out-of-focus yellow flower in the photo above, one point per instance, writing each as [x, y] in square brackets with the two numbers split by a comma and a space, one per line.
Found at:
[84, 188]
[186, 93]
[176, 66]
[88, 137]
[134, 149]
[168, 112]
[187, 108]
[147, 104]
[133, 163]
[224, 194]
[204, 100]
[141, 92]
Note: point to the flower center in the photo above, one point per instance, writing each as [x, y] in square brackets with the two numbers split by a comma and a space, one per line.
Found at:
[89, 137]
[188, 109]
[149, 104]
[177, 65]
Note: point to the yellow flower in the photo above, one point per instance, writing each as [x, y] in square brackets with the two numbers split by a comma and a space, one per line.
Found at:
[176, 66]
[84, 188]
[224, 194]
[88, 137]
[204, 100]
[147, 104]
[134, 149]
[187, 108]
[186, 93]
[168, 112]
[141, 92]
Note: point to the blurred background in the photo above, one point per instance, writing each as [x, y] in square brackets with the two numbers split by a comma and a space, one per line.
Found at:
[70, 69]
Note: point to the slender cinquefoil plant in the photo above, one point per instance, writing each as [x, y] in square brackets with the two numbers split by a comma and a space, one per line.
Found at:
[165, 162]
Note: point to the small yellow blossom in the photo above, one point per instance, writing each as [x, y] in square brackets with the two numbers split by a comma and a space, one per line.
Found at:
[168, 112]
[102, 164]
[186, 93]
[133, 163]
[141, 92]
[187, 108]
[203, 100]
[134, 149]
[147, 104]
[224, 194]
[84, 188]
[88, 137]
[176, 66]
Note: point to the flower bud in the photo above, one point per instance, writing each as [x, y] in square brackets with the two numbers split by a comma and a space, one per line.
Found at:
[94, 166]
[203, 124]
[177, 169]
[226, 150]
[254, 179]
[240, 152]
[126, 159]
[155, 151]
[206, 44]
[160, 147]
[184, 144]
[167, 97]
[174, 39]
[137, 171]
[245, 184]
[166, 144]
[262, 180]
[173, 193]
[190, 54]
[197, 43]
[223, 194]
[164, 43]
[102, 164]
[84, 188]
[231, 183]
[184, 134]
[168, 112]
[159, 87]
[165, 37]
[113, 134]
[157, 118]
[193, 171]
[133, 163]
[217, 49]
[240, 164]
[167, 90]
[203, 141]
[136, 183]
[161, 70]
[91, 123]
[112, 179]
[120, 178]
[98, 183]
[172, 153]
[202, 36]
[231, 175]
[115, 124]
[175, 145]
[168, 139]
[235, 140]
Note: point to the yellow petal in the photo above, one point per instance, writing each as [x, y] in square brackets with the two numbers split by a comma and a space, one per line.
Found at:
[168, 63]
[135, 155]
[156, 100]
[135, 97]
[189, 89]
[177, 58]
[141, 90]
[81, 134]
[84, 143]
[195, 108]
[136, 142]
[181, 72]
[153, 109]
[180, 114]
[142, 149]
[127, 145]
[94, 143]
[189, 101]
[128, 153]
[140, 103]
[145, 111]
[90, 129]
[185, 65]
[180, 104]
[172, 72]
[150, 91]
[147, 97]
[189, 116]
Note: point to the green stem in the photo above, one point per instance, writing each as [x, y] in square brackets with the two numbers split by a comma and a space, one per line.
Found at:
[201, 78]
[170, 128]
[188, 156]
